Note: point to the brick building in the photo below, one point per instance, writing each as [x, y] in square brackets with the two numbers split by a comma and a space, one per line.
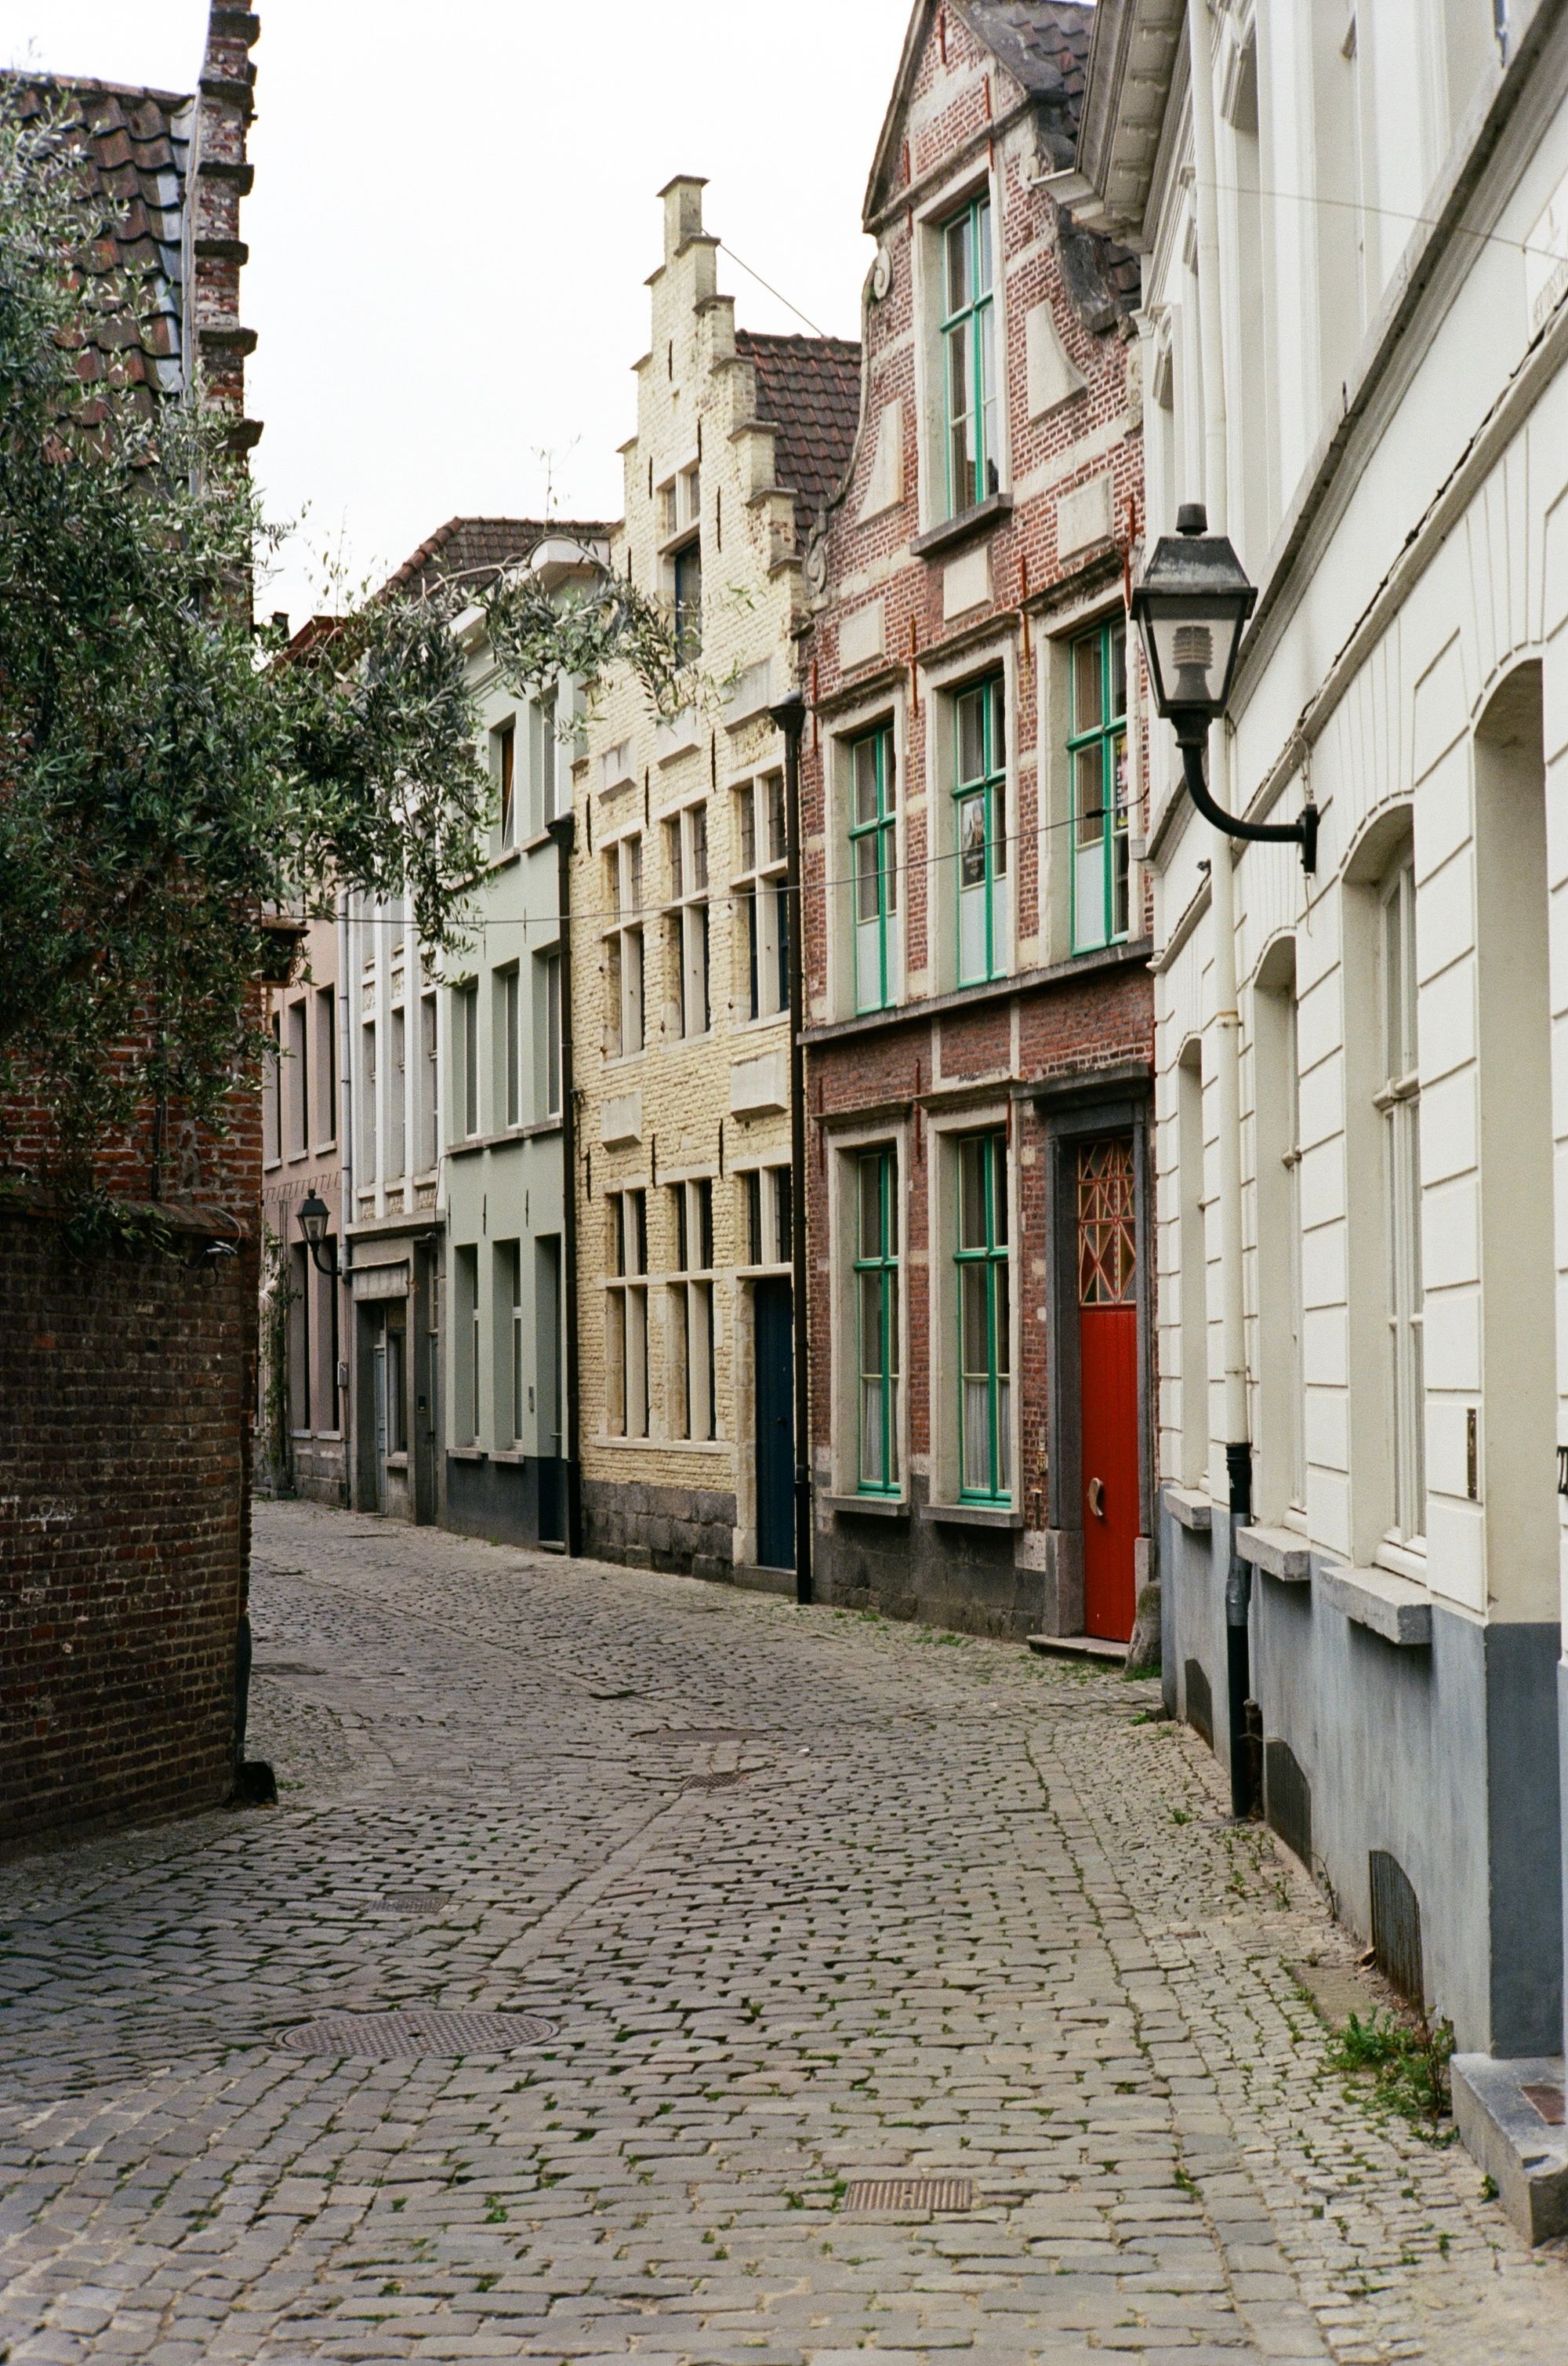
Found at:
[978, 1012]
[128, 1377]
[680, 946]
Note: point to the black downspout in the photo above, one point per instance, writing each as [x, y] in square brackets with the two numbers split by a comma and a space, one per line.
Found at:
[1246, 1728]
[789, 715]
[562, 831]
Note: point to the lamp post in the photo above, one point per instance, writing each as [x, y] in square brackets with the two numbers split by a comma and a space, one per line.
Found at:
[314, 1218]
[1192, 607]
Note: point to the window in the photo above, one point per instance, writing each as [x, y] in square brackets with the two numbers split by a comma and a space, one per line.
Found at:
[298, 1093]
[623, 1028]
[465, 1344]
[272, 1086]
[691, 1308]
[397, 1389]
[687, 842]
[985, 1346]
[1399, 1100]
[686, 569]
[542, 761]
[979, 829]
[511, 1272]
[968, 349]
[430, 1076]
[547, 1033]
[763, 893]
[626, 1316]
[877, 1320]
[1097, 754]
[329, 1287]
[326, 1066]
[297, 1335]
[768, 1209]
[503, 765]
[397, 1099]
[465, 1030]
[367, 1102]
[873, 855]
[509, 997]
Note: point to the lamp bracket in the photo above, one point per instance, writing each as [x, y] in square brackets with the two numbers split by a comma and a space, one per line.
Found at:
[1302, 832]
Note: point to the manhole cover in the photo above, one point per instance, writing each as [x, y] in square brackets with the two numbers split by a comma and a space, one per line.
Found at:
[394, 2036]
[909, 2193]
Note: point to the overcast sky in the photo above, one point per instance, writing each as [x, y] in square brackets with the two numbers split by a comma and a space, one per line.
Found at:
[454, 213]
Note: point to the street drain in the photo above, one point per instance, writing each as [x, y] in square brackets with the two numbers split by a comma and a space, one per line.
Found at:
[413, 1901]
[697, 1733]
[909, 2193]
[717, 1782]
[287, 1667]
[399, 2036]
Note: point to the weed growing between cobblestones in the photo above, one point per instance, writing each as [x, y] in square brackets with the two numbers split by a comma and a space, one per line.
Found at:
[1409, 2066]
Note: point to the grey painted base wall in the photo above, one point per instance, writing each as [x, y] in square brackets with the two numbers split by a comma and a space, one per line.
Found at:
[1446, 1756]
[940, 1572]
[688, 1530]
[500, 1499]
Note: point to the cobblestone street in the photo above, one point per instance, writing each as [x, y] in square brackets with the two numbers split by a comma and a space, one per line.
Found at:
[806, 1899]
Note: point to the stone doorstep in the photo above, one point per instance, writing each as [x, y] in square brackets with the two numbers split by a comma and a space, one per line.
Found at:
[1079, 1647]
[755, 1578]
[1502, 2129]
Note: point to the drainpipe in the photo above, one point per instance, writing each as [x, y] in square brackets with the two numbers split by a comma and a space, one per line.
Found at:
[789, 715]
[1221, 907]
[347, 1339]
[563, 830]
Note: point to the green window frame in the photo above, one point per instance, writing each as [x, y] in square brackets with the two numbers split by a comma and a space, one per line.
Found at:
[968, 357]
[877, 1320]
[1097, 761]
[873, 849]
[985, 1345]
[979, 829]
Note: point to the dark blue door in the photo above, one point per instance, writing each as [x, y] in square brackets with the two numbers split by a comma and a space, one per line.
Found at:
[774, 1349]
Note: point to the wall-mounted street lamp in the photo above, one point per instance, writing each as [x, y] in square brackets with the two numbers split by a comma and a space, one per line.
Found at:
[1192, 608]
[314, 1218]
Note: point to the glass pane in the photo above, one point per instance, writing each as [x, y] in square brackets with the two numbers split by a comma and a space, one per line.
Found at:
[618, 1231]
[998, 726]
[1087, 710]
[1003, 1344]
[976, 1471]
[865, 761]
[1004, 1439]
[681, 1259]
[1120, 900]
[870, 1207]
[1118, 703]
[1089, 795]
[867, 873]
[983, 248]
[889, 868]
[972, 1192]
[971, 842]
[970, 720]
[894, 1425]
[960, 286]
[699, 848]
[871, 1322]
[892, 1316]
[872, 1472]
[974, 1290]
[672, 833]
[990, 439]
[998, 840]
[998, 1190]
[775, 789]
[960, 419]
[748, 829]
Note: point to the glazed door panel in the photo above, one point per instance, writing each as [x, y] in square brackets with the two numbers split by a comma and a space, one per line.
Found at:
[773, 1349]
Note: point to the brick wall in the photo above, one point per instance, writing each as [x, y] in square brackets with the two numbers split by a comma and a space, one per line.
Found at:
[124, 1526]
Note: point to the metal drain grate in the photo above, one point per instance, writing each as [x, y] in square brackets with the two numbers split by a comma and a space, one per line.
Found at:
[397, 2036]
[717, 1782]
[697, 1733]
[413, 1901]
[909, 2193]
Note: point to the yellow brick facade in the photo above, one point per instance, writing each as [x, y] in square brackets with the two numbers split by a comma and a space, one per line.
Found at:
[687, 1104]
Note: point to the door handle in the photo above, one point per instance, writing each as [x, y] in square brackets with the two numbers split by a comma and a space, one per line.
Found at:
[1097, 1498]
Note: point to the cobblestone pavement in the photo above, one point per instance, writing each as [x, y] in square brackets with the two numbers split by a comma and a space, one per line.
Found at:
[806, 1898]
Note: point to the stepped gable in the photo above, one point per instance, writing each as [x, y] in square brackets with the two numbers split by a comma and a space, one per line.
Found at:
[808, 392]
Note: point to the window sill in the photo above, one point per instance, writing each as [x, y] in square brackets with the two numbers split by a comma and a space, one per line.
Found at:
[1132, 955]
[1191, 1509]
[1280, 1554]
[504, 860]
[954, 530]
[542, 838]
[972, 1516]
[874, 1507]
[1394, 1608]
[512, 1455]
[466, 1453]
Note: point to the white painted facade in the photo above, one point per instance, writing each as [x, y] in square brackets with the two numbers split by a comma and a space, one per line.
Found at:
[1388, 449]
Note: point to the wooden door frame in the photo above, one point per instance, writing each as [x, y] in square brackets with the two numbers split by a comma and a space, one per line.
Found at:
[1070, 1111]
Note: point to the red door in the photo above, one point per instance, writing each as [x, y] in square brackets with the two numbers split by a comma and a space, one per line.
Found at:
[1107, 1357]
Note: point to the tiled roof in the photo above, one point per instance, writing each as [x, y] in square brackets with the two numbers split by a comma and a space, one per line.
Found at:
[1043, 44]
[468, 553]
[135, 156]
[808, 390]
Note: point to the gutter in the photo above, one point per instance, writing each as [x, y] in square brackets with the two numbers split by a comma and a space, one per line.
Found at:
[563, 830]
[789, 715]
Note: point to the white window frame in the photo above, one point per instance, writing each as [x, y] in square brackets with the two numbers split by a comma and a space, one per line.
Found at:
[761, 900]
[627, 1413]
[689, 1295]
[624, 942]
[1398, 1102]
[688, 919]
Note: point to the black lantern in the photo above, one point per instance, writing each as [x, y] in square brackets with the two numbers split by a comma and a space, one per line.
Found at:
[314, 1218]
[1190, 608]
